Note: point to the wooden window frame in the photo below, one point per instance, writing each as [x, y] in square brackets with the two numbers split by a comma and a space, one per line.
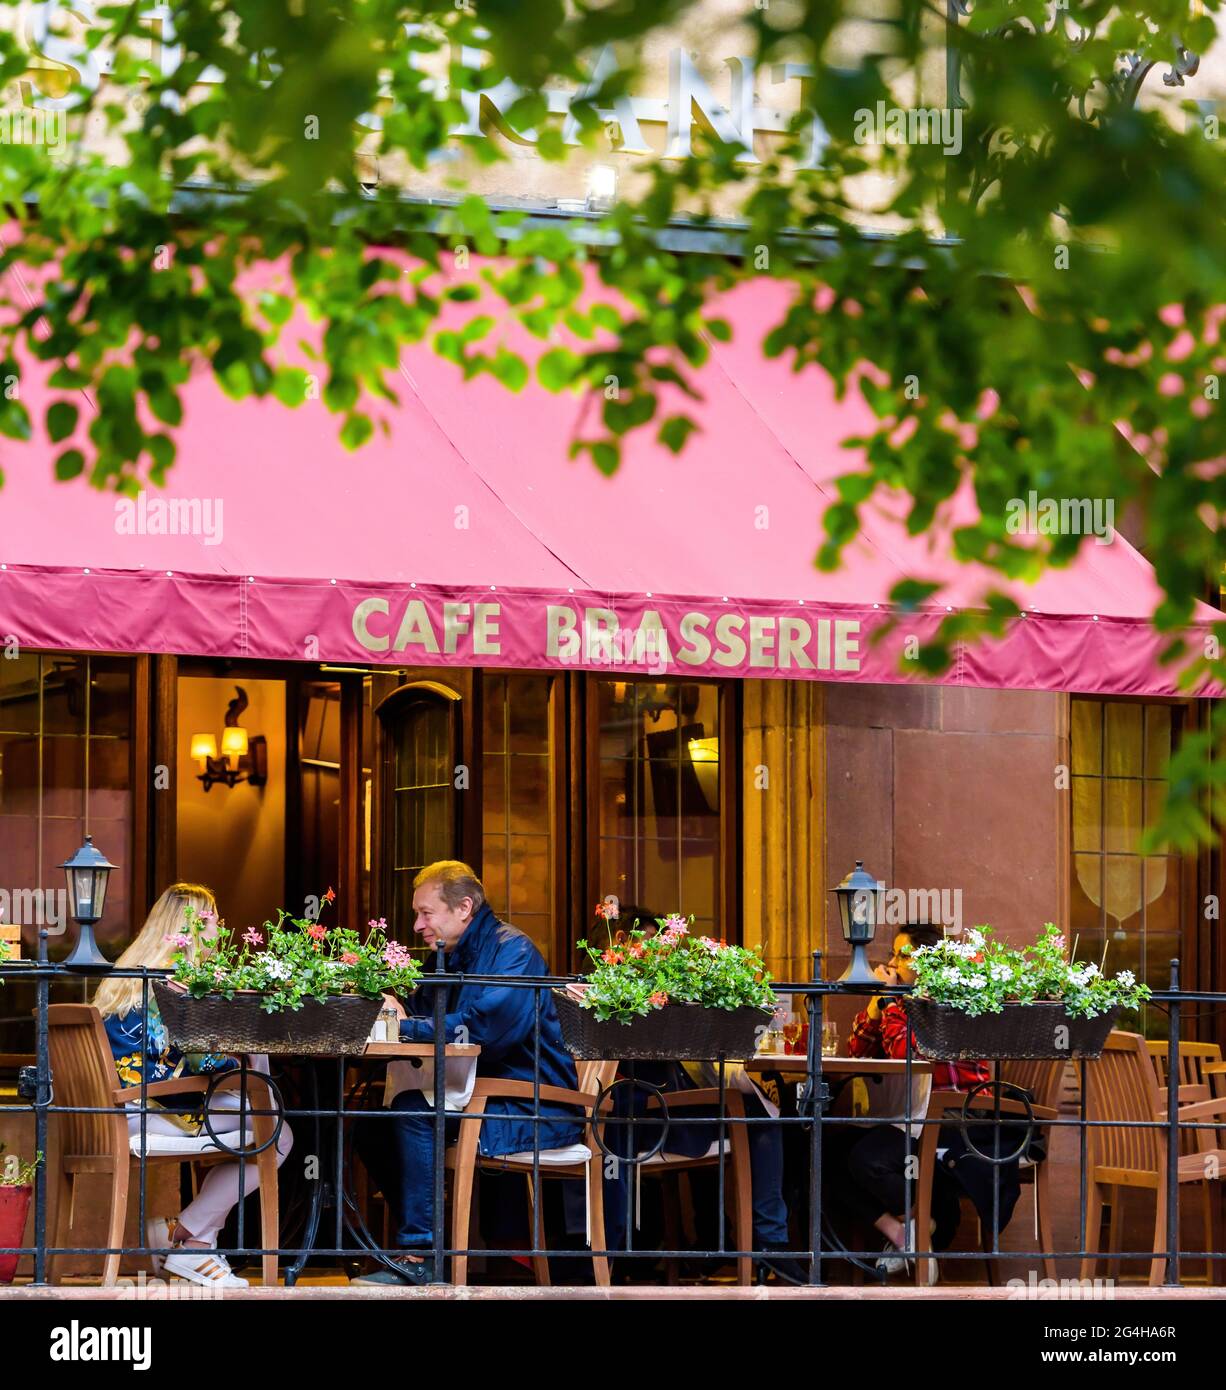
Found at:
[1196, 963]
[587, 731]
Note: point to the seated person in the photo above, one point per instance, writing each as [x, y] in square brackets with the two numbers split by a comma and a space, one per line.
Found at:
[450, 907]
[770, 1212]
[868, 1168]
[140, 1046]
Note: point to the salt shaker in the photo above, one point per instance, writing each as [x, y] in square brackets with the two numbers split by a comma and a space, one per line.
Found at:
[391, 1024]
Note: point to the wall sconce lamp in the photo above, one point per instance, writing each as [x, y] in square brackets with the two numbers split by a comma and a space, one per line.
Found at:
[243, 758]
[601, 188]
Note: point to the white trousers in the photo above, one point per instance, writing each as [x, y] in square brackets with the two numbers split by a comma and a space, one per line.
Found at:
[203, 1218]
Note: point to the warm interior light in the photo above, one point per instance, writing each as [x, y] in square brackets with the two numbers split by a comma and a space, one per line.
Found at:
[234, 742]
[204, 746]
[704, 750]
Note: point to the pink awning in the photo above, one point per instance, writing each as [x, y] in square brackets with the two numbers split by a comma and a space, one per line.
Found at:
[466, 535]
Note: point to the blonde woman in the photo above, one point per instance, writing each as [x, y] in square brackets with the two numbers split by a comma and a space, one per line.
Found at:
[140, 1047]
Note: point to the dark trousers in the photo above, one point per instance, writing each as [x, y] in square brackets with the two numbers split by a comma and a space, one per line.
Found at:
[770, 1212]
[399, 1155]
[865, 1167]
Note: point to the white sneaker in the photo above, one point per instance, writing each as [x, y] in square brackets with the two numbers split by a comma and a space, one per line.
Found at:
[160, 1233]
[898, 1263]
[203, 1267]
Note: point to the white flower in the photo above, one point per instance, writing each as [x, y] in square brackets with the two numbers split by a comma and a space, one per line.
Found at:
[1127, 978]
[277, 969]
[952, 975]
[977, 982]
[975, 937]
[1000, 972]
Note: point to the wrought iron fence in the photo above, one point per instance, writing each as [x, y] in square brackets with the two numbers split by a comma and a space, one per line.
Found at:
[998, 1121]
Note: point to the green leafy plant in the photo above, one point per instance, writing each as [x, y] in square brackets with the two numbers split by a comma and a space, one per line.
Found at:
[645, 969]
[980, 975]
[291, 960]
[15, 1173]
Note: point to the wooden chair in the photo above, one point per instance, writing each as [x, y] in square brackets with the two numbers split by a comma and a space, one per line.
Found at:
[1123, 1085]
[665, 1165]
[1202, 1076]
[83, 1074]
[1042, 1079]
[581, 1160]
[946, 1106]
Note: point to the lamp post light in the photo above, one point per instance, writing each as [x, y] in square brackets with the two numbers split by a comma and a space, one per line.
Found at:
[857, 898]
[88, 872]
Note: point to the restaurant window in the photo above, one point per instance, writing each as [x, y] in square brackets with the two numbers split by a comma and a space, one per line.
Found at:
[65, 772]
[1125, 906]
[319, 773]
[518, 807]
[422, 723]
[657, 776]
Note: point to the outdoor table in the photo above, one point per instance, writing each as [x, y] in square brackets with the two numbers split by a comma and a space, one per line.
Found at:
[838, 1066]
[323, 1194]
[792, 1066]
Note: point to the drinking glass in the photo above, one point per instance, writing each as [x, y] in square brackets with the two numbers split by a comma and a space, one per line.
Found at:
[830, 1039]
[793, 1027]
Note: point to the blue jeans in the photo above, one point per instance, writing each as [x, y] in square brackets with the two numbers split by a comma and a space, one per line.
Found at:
[399, 1155]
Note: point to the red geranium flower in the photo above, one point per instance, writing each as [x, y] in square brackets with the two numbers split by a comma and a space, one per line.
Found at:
[612, 957]
[329, 896]
[659, 998]
[317, 931]
[349, 958]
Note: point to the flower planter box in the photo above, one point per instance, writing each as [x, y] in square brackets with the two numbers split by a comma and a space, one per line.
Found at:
[676, 1032]
[217, 1024]
[14, 1208]
[1025, 1031]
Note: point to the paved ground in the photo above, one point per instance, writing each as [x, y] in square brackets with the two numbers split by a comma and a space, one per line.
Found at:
[490, 1293]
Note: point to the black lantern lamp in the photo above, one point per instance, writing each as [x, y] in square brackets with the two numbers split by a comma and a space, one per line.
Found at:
[88, 872]
[857, 896]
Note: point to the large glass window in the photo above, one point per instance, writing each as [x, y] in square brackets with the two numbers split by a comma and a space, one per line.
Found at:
[65, 772]
[658, 796]
[518, 805]
[422, 744]
[1125, 905]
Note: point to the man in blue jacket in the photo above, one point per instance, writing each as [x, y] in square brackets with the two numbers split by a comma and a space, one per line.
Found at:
[450, 908]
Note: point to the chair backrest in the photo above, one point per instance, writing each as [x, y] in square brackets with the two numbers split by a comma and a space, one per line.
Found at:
[1122, 1085]
[83, 1073]
[1041, 1078]
[1193, 1057]
[596, 1075]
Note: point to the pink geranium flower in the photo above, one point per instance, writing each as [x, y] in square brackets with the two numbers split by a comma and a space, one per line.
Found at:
[396, 956]
[349, 958]
[252, 937]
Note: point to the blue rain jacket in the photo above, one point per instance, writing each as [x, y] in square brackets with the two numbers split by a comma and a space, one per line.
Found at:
[499, 1018]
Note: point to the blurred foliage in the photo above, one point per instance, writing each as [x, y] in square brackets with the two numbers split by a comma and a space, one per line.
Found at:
[1058, 279]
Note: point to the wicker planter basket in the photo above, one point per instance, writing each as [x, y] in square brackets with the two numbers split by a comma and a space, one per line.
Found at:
[216, 1024]
[1026, 1031]
[675, 1032]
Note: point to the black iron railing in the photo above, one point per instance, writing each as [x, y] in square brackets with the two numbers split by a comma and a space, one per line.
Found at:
[610, 1122]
